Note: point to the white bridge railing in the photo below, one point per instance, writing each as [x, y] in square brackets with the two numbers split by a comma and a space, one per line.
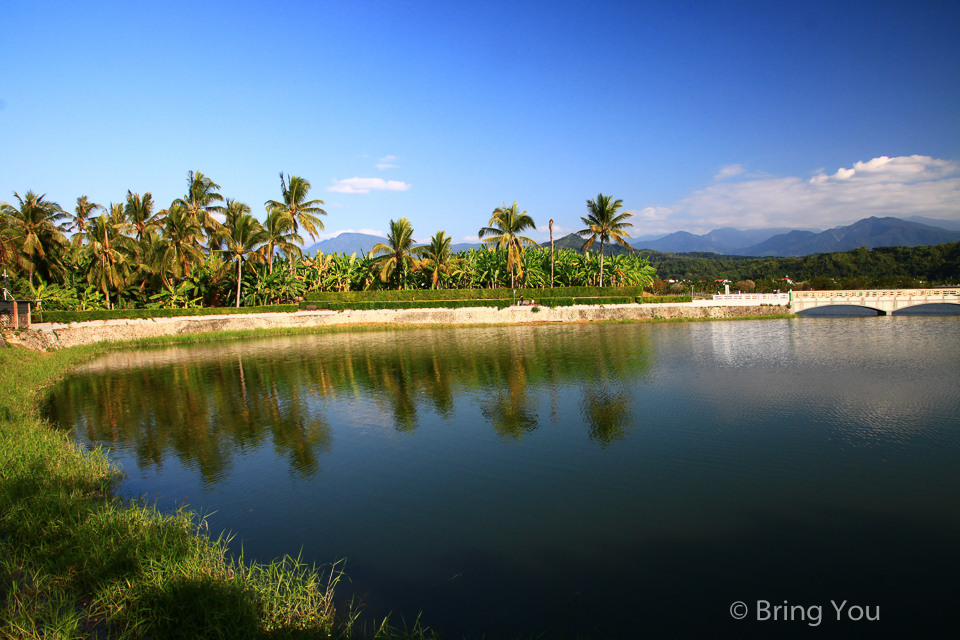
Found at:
[876, 293]
[744, 300]
[768, 297]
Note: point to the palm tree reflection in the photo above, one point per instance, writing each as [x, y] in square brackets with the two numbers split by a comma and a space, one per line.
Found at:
[205, 407]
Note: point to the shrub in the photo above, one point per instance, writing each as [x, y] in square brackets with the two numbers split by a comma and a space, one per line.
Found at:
[468, 294]
[121, 314]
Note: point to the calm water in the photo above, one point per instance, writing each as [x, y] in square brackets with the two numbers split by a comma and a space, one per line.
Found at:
[608, 480]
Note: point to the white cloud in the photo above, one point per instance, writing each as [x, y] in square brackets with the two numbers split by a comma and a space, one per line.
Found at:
[905, 169]
[366, 185]
[899, 187]
[729, 171]
[387, 162]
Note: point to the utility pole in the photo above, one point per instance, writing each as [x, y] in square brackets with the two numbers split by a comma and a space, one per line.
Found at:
[551, 253]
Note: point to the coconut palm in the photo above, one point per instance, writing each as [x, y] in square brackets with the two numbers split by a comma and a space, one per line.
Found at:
[502, 231]
[81, 217]
[199, 203]
[183, 251]
[397, 255]
[303, 212]
[139, 213]
[282, 235]
[604, 223]
[106, 248]
[243, 238]
[436, 257]
[35, 230]
[232, 212]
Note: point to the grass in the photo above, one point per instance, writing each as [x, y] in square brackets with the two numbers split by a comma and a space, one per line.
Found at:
[77, 561]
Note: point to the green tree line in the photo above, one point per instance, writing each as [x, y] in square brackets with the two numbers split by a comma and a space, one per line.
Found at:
[856, 269]
[209, 250]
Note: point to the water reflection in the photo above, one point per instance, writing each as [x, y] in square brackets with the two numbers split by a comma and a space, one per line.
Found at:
[206, 405]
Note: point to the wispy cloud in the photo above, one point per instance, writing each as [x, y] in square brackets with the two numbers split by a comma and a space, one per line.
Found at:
[899, 187]
[387, 162]
[366, 185]
[729, 171]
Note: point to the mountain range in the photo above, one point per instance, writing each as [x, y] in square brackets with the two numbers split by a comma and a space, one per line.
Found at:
[870, 233]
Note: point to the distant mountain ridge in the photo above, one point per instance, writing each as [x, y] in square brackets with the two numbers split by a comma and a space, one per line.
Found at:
[870, 233]
[346, 243]
[726, 240]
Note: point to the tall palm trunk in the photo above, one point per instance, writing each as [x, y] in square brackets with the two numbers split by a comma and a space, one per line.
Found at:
[239, 264]
[551, 253]
[601, 261]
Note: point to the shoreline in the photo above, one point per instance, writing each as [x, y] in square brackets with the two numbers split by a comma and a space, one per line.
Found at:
[52, 337]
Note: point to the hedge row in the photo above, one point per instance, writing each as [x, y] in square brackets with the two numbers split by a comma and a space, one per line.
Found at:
[469, 294]
[121, 314]
[664, 299]
[564, 301]
[408, 304]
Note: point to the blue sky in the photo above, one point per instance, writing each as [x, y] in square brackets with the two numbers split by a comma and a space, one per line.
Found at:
[696, 115]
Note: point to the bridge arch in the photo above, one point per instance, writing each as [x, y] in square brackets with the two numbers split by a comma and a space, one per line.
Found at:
[841, 309]
[929, 308]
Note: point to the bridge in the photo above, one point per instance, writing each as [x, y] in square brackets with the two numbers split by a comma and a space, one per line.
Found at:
[882, 301]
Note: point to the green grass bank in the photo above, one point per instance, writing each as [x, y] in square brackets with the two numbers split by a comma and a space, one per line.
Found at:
[77, 561]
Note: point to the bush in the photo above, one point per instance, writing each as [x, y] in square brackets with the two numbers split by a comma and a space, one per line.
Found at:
[122, 314]
[663, 299]
[419, 304]
[552, 301]
[468, 294]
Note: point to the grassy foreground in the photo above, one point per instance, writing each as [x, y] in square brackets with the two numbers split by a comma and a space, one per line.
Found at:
[78, 562]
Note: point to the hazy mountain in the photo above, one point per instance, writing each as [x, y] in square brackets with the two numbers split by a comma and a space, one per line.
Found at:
[346, 243]
[725, 240]
[952, 225]
[869, 233]
[464, 246]
[573, 241]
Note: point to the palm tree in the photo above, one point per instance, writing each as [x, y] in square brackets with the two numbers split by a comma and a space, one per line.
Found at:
[282, 235]
[436, 257]
[397, 255]
[199, 203]
[36, 231]
[303, 212]
[244, 236]
[604, 223]
[232, 212]
[503, 229]
[81, 216]
[139, 212]
[106, 247]
[183, 250]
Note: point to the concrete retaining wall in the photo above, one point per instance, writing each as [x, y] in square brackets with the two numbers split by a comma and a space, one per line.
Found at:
[46, 336]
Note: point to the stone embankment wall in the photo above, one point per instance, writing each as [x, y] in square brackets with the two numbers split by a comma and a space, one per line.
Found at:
[54, 336]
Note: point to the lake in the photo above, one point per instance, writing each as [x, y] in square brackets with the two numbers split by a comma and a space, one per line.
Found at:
[612, 480]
